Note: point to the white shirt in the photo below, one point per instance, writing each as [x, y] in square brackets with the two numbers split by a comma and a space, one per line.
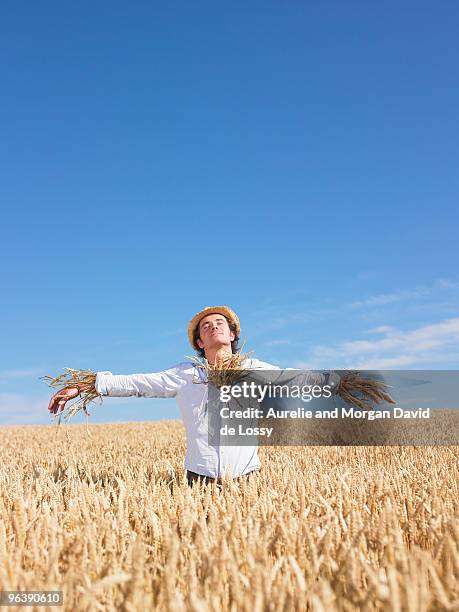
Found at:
[182, 382]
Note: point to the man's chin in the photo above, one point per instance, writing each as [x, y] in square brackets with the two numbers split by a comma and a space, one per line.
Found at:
[218, 344]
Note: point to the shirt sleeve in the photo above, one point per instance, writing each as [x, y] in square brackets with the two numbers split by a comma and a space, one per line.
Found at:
[257, 364]
[331, 379]
[155, 384]
[306, 377]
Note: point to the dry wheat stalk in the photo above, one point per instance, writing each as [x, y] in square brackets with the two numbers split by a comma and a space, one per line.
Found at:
[85, 380]
[371, 390]
[225, 371]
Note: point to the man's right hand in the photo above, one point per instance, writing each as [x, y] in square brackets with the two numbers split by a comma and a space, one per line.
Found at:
[58, 401]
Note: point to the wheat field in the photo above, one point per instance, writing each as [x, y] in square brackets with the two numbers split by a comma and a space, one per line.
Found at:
[104, 514]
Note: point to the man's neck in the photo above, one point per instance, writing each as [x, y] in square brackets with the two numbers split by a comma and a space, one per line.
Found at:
[218, 354]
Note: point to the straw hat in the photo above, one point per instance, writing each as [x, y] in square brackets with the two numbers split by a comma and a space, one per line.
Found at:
[223, 310]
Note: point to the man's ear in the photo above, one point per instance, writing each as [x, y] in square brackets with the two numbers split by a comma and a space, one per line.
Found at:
[232, 336]
[199, 343]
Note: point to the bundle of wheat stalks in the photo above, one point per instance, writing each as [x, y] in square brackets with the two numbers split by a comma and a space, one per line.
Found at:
[84, 380]
[226, 370]
[373, 391]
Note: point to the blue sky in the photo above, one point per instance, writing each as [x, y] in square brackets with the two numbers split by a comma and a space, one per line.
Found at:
[297, 161]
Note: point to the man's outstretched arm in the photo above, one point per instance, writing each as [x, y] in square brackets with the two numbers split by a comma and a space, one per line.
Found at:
[350, 386]
[155, 384]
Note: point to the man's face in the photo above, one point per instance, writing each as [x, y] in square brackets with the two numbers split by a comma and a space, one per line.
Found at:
[214, 332]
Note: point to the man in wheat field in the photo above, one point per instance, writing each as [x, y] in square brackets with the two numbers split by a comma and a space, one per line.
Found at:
[214, 334]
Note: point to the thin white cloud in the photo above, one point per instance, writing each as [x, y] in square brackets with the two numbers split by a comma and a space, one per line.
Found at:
[441, 334]
[17, 408]
[390, 298]
[401, 295]
[422, 299]
[436, 343]
[28, 409]
[445, 283]
[382, 329]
